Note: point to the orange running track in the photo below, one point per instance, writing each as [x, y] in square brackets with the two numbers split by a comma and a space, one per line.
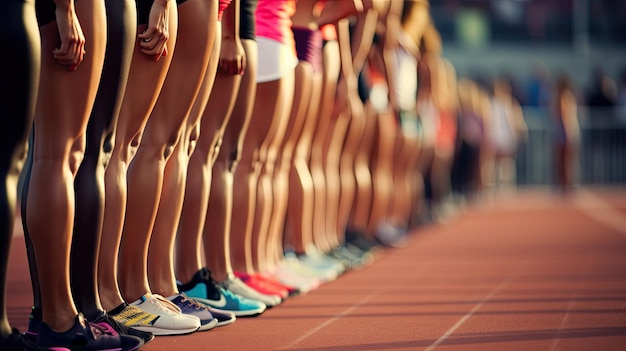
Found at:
[528, 271]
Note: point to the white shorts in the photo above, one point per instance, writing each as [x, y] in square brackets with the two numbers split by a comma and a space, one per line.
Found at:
[275, 60]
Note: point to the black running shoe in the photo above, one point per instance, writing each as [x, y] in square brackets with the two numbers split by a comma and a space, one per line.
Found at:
[18, 342]
[122, 329]
[86, 336]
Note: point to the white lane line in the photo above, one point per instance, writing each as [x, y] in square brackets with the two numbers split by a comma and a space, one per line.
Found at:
[474, 310]
[328, 322]
[572, 302]
[601, 211]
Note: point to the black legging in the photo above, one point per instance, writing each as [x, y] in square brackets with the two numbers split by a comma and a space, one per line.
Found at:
[19, 71]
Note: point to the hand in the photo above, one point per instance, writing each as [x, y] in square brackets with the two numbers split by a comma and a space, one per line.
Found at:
[232, 57]
[72, 38]
[348, 100]
[154, 38]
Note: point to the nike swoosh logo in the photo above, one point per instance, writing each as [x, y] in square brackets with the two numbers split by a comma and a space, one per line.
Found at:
[216, 303]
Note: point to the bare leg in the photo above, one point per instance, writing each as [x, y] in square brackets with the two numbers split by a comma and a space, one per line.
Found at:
[382, 171]
[286, 191]
[314, 196]
[209, 117]
[231, 154]
[404, 175]
[58, 150]
[321, 141]
[136, 107]
[163, 131]
[197, 30]
[363, 197]
[272, 100]
[353, 138]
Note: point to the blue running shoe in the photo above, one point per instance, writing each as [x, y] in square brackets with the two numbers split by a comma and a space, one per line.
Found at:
[190, 306]
[86, 336]
[223, 317]
[204, 289]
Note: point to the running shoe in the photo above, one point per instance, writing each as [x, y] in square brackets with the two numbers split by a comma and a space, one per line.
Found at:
[86, 336]
[191, 307]
[105, 320]
[309, 268]
[203, 288]
[316, 258]
[262, 286]
[34, 319]
[236, 286]
[18, 342]
[390, 235]
[223, 317]
[132, 316]
[285, 275]
[272, 280]
[358, 239]
[171, 320]
[354, 257]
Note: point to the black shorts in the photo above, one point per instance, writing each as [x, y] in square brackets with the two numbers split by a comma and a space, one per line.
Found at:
[247, 23]
[143, 10]
[45, 11]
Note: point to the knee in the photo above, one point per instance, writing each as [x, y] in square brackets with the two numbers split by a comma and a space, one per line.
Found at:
[193, 138]
[170, 145]
[217, 146]
[77, 154]
[107, 149]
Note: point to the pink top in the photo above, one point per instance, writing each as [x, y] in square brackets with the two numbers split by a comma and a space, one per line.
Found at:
[223, 5]
[273, 20]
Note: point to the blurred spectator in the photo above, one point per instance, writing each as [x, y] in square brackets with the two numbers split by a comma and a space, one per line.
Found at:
[621, 98]
[506, 128]
[601, 92]
[566, 134]
[538, 86]
[466, 174]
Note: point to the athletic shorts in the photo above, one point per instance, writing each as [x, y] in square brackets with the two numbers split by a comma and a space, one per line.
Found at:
[309, 47]
[275, 60]
[45, 11]
[143, 10]
[247, 23]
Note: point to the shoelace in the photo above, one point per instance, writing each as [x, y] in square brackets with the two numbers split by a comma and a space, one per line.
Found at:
[190, 303]
[165, 304]
[159, 305]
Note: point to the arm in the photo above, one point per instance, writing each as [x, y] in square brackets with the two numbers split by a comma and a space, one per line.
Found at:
[153, 39]
[72, 48]
[347, 87]
[232, 58]
[333, 11]
[363, 37]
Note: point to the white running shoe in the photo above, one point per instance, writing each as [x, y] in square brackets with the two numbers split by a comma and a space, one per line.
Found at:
[171, 320]
[238, 287]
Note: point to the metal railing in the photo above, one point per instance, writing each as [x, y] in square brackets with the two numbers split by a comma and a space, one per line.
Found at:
[601, 154]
